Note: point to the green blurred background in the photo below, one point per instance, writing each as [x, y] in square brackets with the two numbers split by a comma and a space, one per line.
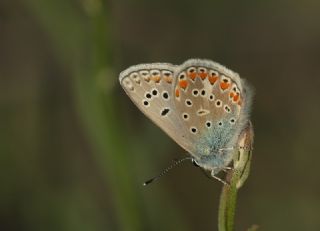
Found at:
[75, 150]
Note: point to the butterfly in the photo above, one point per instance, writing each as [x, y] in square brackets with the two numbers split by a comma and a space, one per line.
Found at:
[201, 105]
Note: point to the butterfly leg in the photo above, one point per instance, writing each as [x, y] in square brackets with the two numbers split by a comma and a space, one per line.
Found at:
[226, 149]
[226, 169]
[219, 179]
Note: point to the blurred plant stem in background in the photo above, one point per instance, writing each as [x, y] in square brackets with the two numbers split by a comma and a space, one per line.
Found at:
[87, 46]
[84, 45]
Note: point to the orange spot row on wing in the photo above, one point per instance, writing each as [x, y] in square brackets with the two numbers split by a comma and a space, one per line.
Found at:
[156, 78]
[146, 78]
[213, 79]
[177, 92]
[203, 75]
[183, 84]
[192, 75]
[224, 85]
[168, 79]
[236, 97]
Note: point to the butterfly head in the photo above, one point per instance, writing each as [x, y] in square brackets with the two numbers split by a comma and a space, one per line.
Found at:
[213, 159]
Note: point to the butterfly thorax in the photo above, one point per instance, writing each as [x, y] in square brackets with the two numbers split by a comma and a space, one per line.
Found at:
[215, 148]
[216, 161]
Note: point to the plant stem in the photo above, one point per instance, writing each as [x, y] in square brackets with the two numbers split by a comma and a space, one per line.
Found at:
[228, 200]
[236, 178]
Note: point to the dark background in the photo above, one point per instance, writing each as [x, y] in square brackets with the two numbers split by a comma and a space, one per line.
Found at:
[75, 150]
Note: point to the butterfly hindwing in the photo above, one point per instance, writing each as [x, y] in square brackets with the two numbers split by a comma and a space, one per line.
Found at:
[208, 100]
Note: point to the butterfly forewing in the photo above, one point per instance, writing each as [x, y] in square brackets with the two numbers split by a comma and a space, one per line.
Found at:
[150, 87]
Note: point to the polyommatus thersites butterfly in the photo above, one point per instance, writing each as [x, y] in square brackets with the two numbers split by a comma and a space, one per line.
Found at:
[200, 104]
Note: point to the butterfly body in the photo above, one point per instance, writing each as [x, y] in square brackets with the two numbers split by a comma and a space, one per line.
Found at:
[211, 152]
[200, 104]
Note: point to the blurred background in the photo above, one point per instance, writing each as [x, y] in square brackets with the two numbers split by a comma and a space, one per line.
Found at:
[75, 150]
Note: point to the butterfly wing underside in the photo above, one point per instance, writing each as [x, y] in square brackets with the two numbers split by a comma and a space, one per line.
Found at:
[208, 98]
[150, 87]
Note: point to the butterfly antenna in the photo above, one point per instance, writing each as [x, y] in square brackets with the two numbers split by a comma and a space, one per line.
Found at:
[165, 171]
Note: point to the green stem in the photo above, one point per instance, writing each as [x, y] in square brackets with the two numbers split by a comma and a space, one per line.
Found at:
[236, 178]
[84, 47]
[228, 200]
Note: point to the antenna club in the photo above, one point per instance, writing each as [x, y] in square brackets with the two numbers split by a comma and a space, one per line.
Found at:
[165, 171]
